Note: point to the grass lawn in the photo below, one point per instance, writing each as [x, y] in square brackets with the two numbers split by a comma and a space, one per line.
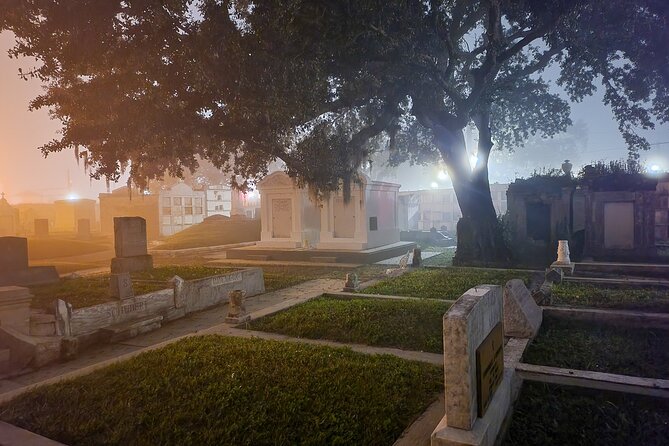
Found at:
[405, 324]
[443, 283]
[212, 232]
[443, 259]
[215, 390]
[47, 248]
[627, 298]
[552, 415]
[600, 348]
[93, 290]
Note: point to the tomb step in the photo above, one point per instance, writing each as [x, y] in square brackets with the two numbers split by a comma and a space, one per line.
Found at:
[258, 257]
[127, 330]
[614, 269]
[42, 324]
[324, 259]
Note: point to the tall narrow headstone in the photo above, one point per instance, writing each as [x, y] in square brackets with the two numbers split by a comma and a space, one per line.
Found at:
[477, 386]
[84, 228]
[41, 227]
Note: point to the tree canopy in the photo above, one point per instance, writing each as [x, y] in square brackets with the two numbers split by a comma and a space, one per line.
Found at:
[153, 85]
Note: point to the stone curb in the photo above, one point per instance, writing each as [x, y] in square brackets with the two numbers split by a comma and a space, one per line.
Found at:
[11, 435]
[594, 380]
[629, 318]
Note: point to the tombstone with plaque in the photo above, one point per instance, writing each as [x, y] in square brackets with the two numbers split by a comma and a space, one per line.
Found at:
[477, 386]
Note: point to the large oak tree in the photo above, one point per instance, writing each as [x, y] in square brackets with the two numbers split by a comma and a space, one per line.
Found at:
[153, 85]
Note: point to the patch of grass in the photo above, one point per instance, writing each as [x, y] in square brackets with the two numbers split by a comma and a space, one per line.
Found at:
[405, 324]
[47, 248]
[601, 348]
[552, 415]
[623, 298]
[212, 232]
[446, 283]
[218, 390]
[443, 259]
[93, 290]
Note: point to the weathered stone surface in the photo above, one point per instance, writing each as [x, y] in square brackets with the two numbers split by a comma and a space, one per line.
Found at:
[131, 264]
[186, 297]
[554, 275]
[543, 296]
[130, 236]
[466, 324]
[34, 275]
[236, 308]
[15, 308]
[522, 315]
[43, 325]
[120, 286]
[127, 330]
[85, 320]
[13, 254]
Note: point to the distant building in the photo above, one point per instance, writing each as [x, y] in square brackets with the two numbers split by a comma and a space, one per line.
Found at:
[9, 218]
[120, 203]
[69, 212]
[422, 210]
[219, 200]
[180, 208]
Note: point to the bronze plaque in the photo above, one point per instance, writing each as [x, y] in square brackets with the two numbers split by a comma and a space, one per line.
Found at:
[489, 367]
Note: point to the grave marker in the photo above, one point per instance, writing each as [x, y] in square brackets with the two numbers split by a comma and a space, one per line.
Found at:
[477, 386]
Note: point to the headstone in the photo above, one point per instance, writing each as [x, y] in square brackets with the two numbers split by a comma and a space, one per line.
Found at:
[522, 315]
[554, 275]
[41, 227]
[352, 283]
[130, 246]
[15, 308]
[14, 269]
[120, 286]
[13, 254]
[83, 228]
[130, 236]
[417, 258]
[477, 386]
[236, 308]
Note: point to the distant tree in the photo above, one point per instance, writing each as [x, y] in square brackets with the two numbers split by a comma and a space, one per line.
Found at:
[150, 85]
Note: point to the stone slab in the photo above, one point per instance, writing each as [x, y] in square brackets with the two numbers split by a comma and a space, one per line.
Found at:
[15, 308]
[484, 431]
[595, 380]
[522, 315]
[13, 254]
[466, 324]
[84, 228]
[127, 330]
[130, 236]
[34, 275]
[131, 264]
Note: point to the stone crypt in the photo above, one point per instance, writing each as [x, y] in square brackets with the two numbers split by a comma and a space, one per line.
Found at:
[296, 227]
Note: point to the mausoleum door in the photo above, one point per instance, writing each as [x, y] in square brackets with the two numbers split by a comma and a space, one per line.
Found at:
[619, 225]
[282, 217]
[344, 218]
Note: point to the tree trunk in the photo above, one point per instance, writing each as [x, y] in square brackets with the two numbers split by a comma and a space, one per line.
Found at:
[480, 236]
